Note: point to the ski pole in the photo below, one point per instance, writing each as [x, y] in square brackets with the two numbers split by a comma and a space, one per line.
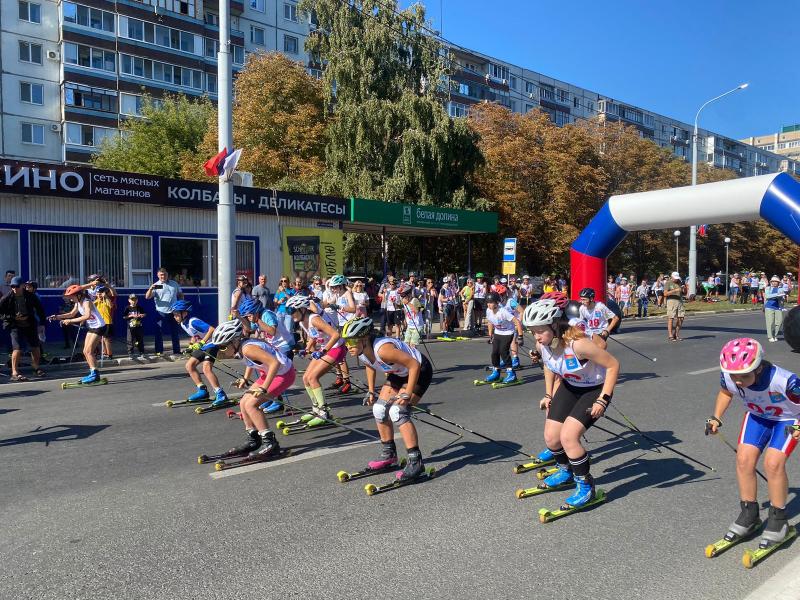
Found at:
[729, 445]
[655, 441]
[614, 433]
[634, 350]
[77, 337]
[480, 435]
[631, 423]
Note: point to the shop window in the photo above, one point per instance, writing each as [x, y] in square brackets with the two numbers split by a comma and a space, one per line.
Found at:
[9, 250]
[54, 258]
[245, 259]
[105, 254]
[141, 261]
[187, 261]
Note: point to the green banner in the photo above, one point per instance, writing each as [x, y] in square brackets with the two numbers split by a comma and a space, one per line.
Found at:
[422, 216]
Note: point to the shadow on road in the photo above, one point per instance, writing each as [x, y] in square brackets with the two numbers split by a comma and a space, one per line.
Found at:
[23, 394]
[662, 472]
[7, 410]
[55, 433]
[469, 453]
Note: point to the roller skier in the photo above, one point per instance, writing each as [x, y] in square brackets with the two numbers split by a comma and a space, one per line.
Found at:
[502, 324]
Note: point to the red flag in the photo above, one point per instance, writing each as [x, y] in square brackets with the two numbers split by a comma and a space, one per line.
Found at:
[702, 231]
[213, 166]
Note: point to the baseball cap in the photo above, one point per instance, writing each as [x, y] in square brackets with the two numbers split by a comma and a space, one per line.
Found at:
[242, 278]
[526, 276]
[16, 280]
[478, 274]
[132, 296]
[503, 280]
[775, 278]
[94, 276]
[676, 275]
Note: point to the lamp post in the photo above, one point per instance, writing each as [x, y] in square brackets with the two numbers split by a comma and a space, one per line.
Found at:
[727, 243]
[693, 228]
[677, 235]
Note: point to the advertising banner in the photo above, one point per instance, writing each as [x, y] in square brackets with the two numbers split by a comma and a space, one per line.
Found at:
[309, 252]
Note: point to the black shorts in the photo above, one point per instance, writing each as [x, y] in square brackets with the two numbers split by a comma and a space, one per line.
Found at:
[573, 401]
[27, 334]
[206, 355]
[423, 382]
[478, 304]
[101, 331]
[109, 332]
[394, 317]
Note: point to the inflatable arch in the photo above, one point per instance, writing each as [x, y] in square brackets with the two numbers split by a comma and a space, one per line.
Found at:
[774, 198]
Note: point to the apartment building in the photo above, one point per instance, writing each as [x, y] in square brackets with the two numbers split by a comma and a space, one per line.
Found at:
[476, 77]
[73, 70]
[786, 142]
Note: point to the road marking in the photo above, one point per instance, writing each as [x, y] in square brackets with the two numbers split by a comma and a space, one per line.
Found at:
[290, 459]
[701, 371]
[781, 586]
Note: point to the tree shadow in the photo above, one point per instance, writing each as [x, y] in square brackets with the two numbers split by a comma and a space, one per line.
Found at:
[55, 433]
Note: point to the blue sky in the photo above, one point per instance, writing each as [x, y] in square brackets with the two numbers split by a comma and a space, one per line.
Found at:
[668, 56]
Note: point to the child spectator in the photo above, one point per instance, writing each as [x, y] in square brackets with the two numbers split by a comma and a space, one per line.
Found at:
[105, 306]
[415, 322]
[134, 314]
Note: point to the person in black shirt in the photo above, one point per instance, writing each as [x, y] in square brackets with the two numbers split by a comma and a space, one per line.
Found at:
[19, 310]
[133, 315]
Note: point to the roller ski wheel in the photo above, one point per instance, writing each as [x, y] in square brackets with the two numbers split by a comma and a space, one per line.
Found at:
[206, 409]
[224, 465]
[752, 557]
[344, 476]
[546, 516]
[292, 430]
[302, 420]
[541, 489]
[371, 489]
[68, 385]
[534, 464]
[497, 385]
[232, 414]
[169, 403]
[481, 382]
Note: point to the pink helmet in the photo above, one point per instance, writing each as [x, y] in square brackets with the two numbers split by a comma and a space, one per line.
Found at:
[560, 298]
[740, 356]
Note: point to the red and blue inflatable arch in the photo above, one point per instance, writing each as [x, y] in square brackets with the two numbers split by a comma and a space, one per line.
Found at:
[774, 198]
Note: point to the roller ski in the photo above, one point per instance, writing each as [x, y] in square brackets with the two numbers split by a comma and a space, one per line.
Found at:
[509, 380]
[227, 403]
[745, 526]
[320, 419]
[443, 338]
[413, 472]
[232, 414]
[775, 534]
[268, 449]
[337, 383]
[92, 379]
[562, 478]
[584, 497]
[253, 443]
[544, 459]
[301, 421]
[200, 396]
[492, 378]
[386, 463]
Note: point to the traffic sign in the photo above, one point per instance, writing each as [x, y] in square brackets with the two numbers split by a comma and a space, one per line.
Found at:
[509, 267]
[509, 249]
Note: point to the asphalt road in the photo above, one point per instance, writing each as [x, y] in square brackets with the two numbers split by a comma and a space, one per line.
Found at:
[101, 495]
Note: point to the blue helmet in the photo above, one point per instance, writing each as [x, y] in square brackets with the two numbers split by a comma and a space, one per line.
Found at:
[248, 306]
[181, 306]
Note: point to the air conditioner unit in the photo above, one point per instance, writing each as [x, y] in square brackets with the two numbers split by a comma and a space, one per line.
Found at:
[55, 127]
[243, 178]
[53, 55]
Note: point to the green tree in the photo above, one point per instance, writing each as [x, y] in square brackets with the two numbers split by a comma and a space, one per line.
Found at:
[157, 143]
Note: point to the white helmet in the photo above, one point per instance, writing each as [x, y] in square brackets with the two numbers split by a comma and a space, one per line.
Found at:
[541, 312]
[357, 328]
[298, 301]
[226, 332]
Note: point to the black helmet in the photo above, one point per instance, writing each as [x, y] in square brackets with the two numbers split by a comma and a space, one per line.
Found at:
[587, 293]
[493, 297]
[573, 310]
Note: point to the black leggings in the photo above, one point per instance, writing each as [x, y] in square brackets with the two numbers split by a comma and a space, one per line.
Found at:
[501, 345]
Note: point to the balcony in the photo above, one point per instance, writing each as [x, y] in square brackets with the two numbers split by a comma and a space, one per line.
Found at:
[237, 7]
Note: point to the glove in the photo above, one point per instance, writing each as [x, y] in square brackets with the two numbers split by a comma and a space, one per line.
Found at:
[302, 353]
[368, 399]
[319, 354]
[195, 346]
[489, 341]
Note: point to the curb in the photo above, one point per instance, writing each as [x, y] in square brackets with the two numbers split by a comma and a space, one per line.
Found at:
[697, 312]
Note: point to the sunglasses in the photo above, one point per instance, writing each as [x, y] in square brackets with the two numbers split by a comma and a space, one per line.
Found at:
[352, 343]
[284, 281]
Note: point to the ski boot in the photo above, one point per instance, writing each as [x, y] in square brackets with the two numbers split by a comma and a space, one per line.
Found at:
[220, 398]
[386, 460]
[268, 446]
[200, 395]
[746, 523]
[92, 377]
[545, 455]
[584, 491]
[271, 407]
[502, 364]
[493, 376]
[337, 383]
[561, 477]
[510, 377]
[777, 528]
[346, 387]
[253, 443]
[414, 468]
[515, 362]
[322, 416]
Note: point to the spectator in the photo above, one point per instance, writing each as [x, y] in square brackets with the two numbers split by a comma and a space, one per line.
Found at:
[133, 314]
[19, 310]
[282, 294]
[165, 293]
[467, 294]
[317, 290]
[262, 293]
[5, 288]
[32, 287]
[658, 290]
[394, 310]
[611, 287]
[241, 292]
[104, 303]
[674, 293]
[642, 298]
[774, 297]
[733, 289]
[361, 299]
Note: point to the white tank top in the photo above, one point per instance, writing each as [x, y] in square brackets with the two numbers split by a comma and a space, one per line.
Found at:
[577, 372]
[624, 293]
[318, 334]
[379, 365]
[341, 303]
[501, 319]
[284, 363]
[95, 320]
[769, 403]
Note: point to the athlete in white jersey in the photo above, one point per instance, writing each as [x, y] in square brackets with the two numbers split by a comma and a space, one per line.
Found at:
[600, 320]
[579, 383]
[345, 307]
[503, 324]
[771, 397]
[408, 375]
[95, 327]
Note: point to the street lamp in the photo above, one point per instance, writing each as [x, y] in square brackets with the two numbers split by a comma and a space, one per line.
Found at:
[693, 228]
[677, 234]
[727, 243]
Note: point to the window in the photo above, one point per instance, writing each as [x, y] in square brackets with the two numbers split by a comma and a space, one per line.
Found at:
[28, 11]
[103, 253]
[151, 69]
[238, 55]
[83, 96]
[32, 93]
[211, 83]
[9, 250]
[258, 5]
[590, 106]
[130, 105]
[32, 134]
[210, 48]
[87, 135]
[290, 44]
[91, 58]
[256, 35]
[562, 96]
[512, 82]
[528, 108]
[187, 261]
[463, 89]
[529, 87]
[141, 261]
[55, 258]
[547, 92]
[290, 11]
[88, 17]
[498, 71]
[30, 53]
[456, 110]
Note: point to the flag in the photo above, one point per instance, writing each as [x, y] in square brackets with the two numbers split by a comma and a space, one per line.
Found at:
[213, 166]
[702, 230]
[229, 166]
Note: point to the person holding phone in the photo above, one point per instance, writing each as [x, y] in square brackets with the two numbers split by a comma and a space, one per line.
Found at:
[165, 293]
